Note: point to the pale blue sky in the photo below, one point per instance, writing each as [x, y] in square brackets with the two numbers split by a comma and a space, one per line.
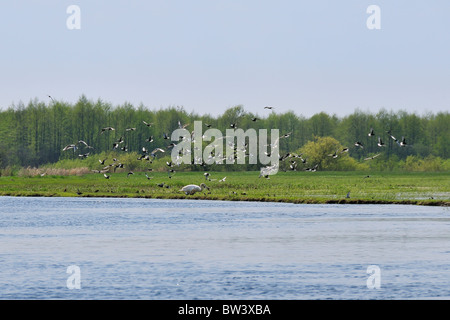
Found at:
[208, 55]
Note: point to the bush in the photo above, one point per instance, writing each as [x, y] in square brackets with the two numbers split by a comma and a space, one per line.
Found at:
[319, 150]
[430, 163]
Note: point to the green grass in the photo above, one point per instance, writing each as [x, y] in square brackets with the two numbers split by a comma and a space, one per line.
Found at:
[420, 188]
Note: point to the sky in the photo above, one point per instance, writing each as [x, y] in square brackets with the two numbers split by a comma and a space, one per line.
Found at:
[209, 55]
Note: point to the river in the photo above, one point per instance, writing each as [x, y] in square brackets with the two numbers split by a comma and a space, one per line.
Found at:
[105, 248]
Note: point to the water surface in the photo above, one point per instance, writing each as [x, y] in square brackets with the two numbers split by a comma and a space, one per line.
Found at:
[191, 249]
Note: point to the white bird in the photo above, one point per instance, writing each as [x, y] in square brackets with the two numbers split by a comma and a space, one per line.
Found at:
[403, 142]
[153, 153]
[107, 129]
[334, 155]
[372, 157]
[70, 146]
[191, 189]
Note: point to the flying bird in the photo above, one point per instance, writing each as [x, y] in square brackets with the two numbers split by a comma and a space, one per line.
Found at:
[182, 126]
[107, 129]
[371, 133]
[70, 146]
[394, 138]
[313, 169]
[381, 143]
[153, 153]
[269, 107]
[359, 144]
[403, 142]
[120, 165]
[147, 123]
[334, 155]
[373, 157]
[84, 142]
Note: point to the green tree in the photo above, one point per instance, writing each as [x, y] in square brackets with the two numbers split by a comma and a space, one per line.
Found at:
[328, 154]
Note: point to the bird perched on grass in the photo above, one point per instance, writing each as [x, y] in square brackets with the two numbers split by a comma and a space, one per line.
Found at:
[191, 189]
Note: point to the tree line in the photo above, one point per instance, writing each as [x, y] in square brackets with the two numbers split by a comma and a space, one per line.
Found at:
[36, 134]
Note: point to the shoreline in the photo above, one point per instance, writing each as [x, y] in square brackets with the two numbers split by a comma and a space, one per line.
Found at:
[430, 202]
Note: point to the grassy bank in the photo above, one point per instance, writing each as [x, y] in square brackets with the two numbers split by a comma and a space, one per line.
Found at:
[295, 187]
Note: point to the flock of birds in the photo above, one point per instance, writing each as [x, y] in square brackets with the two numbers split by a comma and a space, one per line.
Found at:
[191, 189]
[293, 164]
[380, 143]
